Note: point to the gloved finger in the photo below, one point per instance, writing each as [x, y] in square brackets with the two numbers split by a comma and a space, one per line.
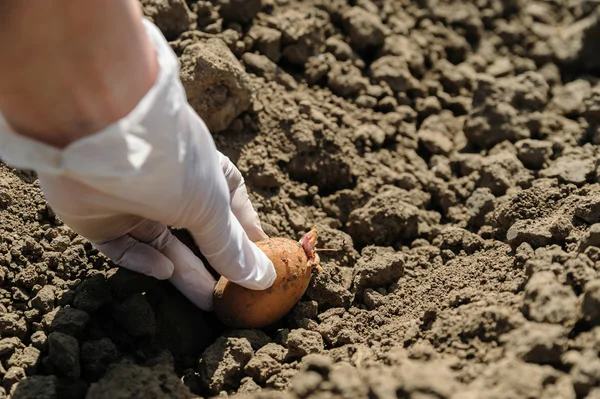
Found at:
[153, 233]
[215, 229]
[241, 206]
[189, 276]
[134, 255]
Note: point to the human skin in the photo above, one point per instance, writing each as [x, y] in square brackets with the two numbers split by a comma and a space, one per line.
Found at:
[70, 68]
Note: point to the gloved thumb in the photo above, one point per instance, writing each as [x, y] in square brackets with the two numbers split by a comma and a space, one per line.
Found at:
[137, 256]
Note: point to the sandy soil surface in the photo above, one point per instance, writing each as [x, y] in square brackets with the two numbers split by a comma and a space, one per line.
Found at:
[449, 147]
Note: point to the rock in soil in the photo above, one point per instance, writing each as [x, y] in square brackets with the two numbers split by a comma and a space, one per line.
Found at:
[216, 84]
[92, 294]
[222, 364]
[540, 343]
[136, 316]
[301, 342]
[125, 380]
[37, 386]
[173, 17]
[547, 300]
[97, 356]
[67, 320]
[63, 355]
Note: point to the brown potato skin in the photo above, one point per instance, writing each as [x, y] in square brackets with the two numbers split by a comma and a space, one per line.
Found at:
[240, 307]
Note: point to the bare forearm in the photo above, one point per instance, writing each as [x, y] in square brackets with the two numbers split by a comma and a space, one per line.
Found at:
[69, 67]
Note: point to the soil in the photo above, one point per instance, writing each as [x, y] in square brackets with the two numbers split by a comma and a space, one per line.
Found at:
[450, 148]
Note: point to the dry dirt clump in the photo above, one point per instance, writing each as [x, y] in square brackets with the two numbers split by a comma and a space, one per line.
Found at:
[448, 148]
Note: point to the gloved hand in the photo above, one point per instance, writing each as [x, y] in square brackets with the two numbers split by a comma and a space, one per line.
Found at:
[156, 167]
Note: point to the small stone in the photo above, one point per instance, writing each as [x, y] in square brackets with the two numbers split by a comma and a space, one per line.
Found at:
[428, 106]
[570, 169]
[548, 301]
[128, 380]
[301, 342]
[533, 153]
[5, 199]
[344, 79]
[395, 72]
[262, 66]
[387, 104]
[364, 28]
[531, 231]
[92, 294]
[316, 68]
[19, 295]
[329, 288]
[589, 210]
[67, 320]
[540, 343]
[339, 48]
[305, 309]
[27, 359]
[12, 376]
[64, 354]
[371, 134]
[242, 11]
[8, 345]
[32, 315]
[248, 386]
[568, 99]
[373, 299]
[321, 364]
[173, 17]
[591, 104]
[347, 380]
[44, 299]
[305, 383]
[97, 356]
[385, 219]
[501, 67]
[223, 363]
[590, 305]
[261, 367]
[136, 315]
[365, 101]
[65, 297]
[435, 143]
[12, 325]
[60, 243]
[267, 41]
[217, 86]
[39, 340]
[593, 237]
[479, 204]
[124, 282]
[585, 373]
[501, 171]
[274, 350]
[303, 32]
[377, 267]
[38, 387]
[257, 338]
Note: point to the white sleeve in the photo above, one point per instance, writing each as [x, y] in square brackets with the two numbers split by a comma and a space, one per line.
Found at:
[160, 163]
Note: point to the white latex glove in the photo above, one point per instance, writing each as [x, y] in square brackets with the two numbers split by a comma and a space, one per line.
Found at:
[156, 167]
